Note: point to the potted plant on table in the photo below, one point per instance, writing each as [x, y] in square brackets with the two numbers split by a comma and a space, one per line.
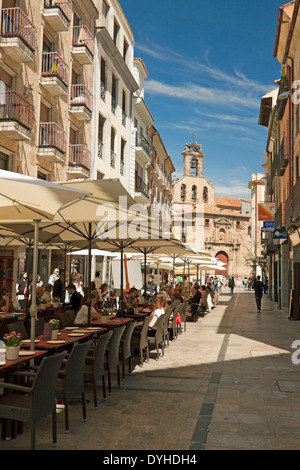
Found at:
[55, 327]
[56, 302]
[12, 345]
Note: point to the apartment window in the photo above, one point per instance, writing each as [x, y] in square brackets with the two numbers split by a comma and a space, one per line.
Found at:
[105, 8]
[112, 148]
[116, 32]
[41, 175]
[114, 94]
[103, 79]
[101, 122]
[122, 156]
[4, 161]
[125, 49]
[124, 108]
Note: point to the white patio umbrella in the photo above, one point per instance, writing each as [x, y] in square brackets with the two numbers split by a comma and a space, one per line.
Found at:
[26, 199]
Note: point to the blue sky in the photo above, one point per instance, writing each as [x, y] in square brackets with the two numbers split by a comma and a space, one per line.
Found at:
[209, 64]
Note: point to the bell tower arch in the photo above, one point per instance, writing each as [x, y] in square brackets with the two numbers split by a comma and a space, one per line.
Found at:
[193, 159]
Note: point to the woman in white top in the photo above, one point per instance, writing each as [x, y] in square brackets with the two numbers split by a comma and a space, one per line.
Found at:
[82, 315]
[160, 308]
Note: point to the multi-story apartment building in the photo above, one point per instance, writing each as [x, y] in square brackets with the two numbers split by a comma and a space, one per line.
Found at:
[282, 162]
[72, 101]
[257, 188]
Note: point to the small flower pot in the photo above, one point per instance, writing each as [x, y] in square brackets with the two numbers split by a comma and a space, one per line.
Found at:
[12, 353]
[54, 334]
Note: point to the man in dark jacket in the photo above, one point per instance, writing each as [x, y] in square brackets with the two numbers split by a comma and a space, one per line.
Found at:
[195, 301]
[258, 287]
[59, 288]
[150, 287]
[75, 297]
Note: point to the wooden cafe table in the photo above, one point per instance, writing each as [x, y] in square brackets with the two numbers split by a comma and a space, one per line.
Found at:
[111, 323]
[65, 340]
[10, 428]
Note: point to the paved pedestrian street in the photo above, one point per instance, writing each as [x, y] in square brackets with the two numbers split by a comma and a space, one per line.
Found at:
[226, 383]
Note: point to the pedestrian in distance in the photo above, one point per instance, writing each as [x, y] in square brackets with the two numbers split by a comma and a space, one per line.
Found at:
[231, 285]
[258, 287]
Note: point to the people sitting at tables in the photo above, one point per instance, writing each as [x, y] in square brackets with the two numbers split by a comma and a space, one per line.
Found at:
[59, 288]
[168, 290]
[160, 308]
[195, 301]
[47, 295]
[39, 294]
[82, 315]
[74, 296]
[203, 302]
[103, 292]
[6, 305]
[176, 301]
[132, 298]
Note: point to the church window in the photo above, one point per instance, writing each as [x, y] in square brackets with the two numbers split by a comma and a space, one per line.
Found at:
[194, 167]
[205, 194]
[206, 222]
[183, 192]
[194, 193]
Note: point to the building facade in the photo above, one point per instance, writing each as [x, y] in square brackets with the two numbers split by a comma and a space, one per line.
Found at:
[223, 221]
[282, 168]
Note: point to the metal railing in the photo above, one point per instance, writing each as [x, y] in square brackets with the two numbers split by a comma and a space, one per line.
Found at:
[51, 135]
[100, 148]
[102, 90]
[113, 105]
[122, 166]
[124, 116]
[79, 155]
[82, 36]
[113, 157]
[81, 96]
[140, 186]
[64, 5]
[142, 142]
[54, 66]
[13, 107]
[16, 24]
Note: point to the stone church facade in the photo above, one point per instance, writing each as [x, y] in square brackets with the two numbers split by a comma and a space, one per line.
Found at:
[224, 222]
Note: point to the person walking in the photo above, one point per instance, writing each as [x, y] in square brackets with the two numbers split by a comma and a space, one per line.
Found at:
[231, 284]
[258, 287]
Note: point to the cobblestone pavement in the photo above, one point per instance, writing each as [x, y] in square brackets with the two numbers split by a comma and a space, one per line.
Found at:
[226, 383]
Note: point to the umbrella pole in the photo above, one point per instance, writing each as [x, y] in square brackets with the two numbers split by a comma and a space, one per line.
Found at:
[121, 303]
[33, 308]
[89, 273]
[145, 274]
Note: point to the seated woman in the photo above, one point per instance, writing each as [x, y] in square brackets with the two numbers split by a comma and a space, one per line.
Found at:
[47, 295]
[5, 303]
[160, 308]
[82, 315]
[203, 302]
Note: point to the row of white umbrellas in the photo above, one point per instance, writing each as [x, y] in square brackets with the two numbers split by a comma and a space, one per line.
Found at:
[80, 214]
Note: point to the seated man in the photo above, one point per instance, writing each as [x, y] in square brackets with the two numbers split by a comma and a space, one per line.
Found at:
[5, 303]
[75, 297]
[195, 301]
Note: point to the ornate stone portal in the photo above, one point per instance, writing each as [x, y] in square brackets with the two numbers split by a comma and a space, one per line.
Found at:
[225, 221]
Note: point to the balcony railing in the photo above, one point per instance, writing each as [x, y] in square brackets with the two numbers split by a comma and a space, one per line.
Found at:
[81, 96]
[13, 107]
[142, 142]
[100, 148]
[82, 36]
[140, 186]
[102, 90]
[79, 155]
[64, 5]
[51, 135]
[122, 166]
[16, 24]
[113, 105]
[124, 117]
[54, 66]
[113, 157]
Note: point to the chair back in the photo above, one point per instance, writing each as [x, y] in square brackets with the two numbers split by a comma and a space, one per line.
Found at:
[3, 326]
[126, 340]
[44, 386]
[73, 372]
[159, 328]
[99, 356]
[18, 327]
[67, 318]
[166, 322]
[144, 332]
[113, 347]
[39, 326]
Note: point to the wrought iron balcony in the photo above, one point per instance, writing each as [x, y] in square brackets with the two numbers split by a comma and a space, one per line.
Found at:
[16, 115]
[140, 186]
[79, 155]
[113, 157]
[58, 13]
[52, 136]
[83, 44]
[81, 102]
[18, 35]
[55, 73]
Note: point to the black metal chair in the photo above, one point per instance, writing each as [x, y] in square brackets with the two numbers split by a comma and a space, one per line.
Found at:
[113, 356]
[3, 326]
[166, 336]
[157, 339]
[94, 369]
[71, 379]
[140, 340]
[35, 402]
[39, 326]
[125, 347]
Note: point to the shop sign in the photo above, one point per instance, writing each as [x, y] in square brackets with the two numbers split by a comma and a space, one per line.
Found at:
[280, 233]
[266, 211]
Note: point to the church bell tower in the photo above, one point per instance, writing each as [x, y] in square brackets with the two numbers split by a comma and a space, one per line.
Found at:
[193, 159]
